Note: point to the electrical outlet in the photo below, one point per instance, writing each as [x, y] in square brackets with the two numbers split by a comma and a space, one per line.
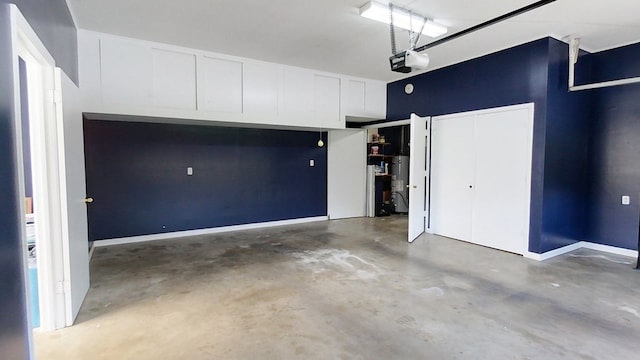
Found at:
[189, 171]
[312, 163]
[626, 199]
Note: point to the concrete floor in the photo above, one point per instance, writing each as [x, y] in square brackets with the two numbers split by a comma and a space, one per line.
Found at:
[349, 289]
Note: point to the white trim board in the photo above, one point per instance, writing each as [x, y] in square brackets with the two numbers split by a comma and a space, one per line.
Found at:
[217, 230]
[581, 245]
[387, 124]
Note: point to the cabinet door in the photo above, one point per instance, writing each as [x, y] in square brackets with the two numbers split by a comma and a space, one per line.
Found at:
[376, 99]
[220, 85]
[355, 97]
[261, 84]
[174, 79]
[327, 101]
[452, 176]
[297, 99]
[126, 72]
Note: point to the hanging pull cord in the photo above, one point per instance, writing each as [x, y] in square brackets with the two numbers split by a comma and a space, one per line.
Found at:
[392, 31]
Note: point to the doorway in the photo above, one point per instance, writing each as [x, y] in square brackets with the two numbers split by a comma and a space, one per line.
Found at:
[53, 208]
[404, 189]
[40, 183]
[388, 158]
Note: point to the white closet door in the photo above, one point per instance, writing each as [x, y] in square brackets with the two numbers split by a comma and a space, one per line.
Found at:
[503, 164]
[452, 172]
[417, 176]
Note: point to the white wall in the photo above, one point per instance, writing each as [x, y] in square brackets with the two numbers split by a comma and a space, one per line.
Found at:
[346, 171]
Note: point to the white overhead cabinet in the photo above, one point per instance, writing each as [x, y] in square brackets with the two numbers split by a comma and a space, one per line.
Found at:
[298, 93]
[220, 85]
[125, 73]
[364, 98]
[174, 79]
[481, 177]
[326, 98]
[134, 77]
[261, 85]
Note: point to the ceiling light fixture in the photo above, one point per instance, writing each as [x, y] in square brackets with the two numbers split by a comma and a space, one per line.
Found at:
[402, 18]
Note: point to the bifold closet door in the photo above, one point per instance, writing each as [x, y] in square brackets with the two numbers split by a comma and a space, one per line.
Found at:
[480, 171]
[502, 187]
[452, 171]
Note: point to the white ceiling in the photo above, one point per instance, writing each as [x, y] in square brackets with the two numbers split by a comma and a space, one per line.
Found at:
[329, 35]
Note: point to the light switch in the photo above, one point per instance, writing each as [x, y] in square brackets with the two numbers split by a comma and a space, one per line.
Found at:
[312, 163]
[189, 171]
[626, 200]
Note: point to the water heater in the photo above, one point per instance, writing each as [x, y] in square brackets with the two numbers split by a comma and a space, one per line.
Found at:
[399, 182]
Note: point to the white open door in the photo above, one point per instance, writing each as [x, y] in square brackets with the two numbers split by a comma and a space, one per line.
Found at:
[346, 172]
[417, 176]
[75, 231]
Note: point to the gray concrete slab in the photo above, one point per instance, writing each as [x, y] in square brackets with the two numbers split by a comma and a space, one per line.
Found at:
[349, 289]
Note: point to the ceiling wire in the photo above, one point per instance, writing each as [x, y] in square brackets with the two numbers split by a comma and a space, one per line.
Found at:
[392, 31]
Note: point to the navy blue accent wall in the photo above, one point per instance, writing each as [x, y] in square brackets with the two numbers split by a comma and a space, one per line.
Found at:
[532, 72]
[13, 324]
[137, 174]
[615, 64]
[615, 150]
[52, 21]
[513, 76]
[568, 122]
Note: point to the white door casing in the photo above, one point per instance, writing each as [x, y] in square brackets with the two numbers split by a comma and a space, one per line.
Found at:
[58, 266]
[44, 160]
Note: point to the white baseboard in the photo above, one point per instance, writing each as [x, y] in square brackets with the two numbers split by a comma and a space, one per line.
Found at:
[581, 245]
[92, 249]
[610, 249]
[222, 229]
[553, 253]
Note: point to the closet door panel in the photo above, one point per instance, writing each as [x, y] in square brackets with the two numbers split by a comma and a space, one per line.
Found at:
[452, 172]
[501, 198]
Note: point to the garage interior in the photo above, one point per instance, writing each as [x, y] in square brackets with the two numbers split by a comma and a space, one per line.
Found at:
[348, 289]
[222, 179]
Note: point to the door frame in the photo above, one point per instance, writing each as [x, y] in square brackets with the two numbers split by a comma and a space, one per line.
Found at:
[45, 127]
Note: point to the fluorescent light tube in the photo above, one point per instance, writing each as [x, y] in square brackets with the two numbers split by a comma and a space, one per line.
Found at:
[401, 18]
